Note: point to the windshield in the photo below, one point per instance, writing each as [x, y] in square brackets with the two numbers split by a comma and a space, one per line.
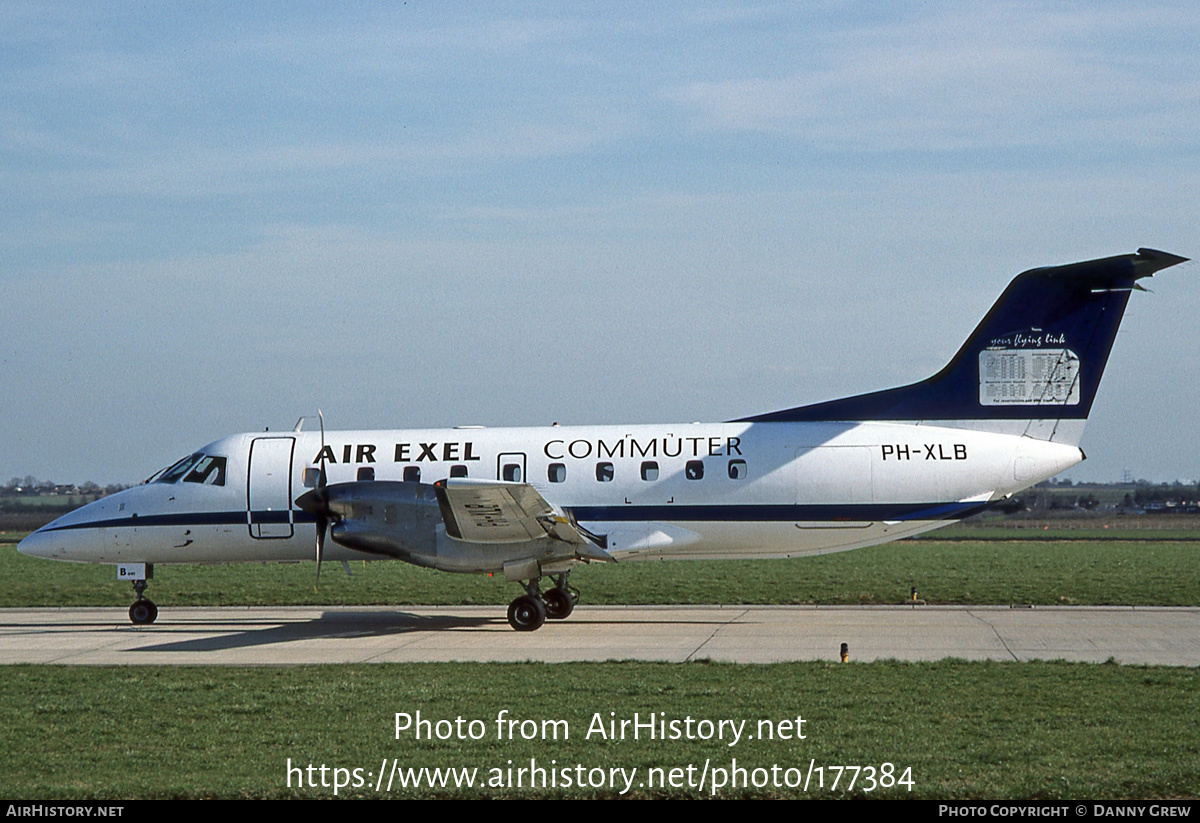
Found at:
[208, 469]
[177, 470]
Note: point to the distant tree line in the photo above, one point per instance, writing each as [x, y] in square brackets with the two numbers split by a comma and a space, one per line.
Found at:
[1143, 495]
[31, 486]
[1176, 492]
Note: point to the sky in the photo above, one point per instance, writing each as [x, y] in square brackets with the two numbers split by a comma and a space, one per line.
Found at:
[219, 217]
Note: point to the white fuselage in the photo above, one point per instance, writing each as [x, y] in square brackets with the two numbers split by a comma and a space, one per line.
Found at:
[722, 490]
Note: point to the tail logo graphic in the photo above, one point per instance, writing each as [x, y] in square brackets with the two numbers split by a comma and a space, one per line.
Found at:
[1028, 377]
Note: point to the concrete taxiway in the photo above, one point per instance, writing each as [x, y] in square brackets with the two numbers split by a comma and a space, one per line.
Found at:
[743, 634]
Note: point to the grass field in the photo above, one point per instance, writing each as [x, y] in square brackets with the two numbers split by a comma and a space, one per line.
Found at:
[1089, 529]
[1039, 730]
[966, 730]
[1085, 572]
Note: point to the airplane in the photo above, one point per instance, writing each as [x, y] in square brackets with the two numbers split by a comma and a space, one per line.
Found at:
[1007, 412]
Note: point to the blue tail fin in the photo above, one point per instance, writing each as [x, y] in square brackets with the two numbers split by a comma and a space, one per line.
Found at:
[1034, 361]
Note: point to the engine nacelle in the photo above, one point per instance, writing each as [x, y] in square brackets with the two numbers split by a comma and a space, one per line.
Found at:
[393, 519]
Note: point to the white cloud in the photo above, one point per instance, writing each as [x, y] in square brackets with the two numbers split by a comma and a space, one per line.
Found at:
[1003, 76]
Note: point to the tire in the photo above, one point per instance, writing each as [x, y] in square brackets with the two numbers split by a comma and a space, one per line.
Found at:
[559, 604]
[143, 613]
[526, 614]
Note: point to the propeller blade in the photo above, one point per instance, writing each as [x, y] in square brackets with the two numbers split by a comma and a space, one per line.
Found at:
[322, 524]
[321, 458]
[323, 496]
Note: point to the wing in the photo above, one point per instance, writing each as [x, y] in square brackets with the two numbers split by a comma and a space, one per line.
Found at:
[494, 511]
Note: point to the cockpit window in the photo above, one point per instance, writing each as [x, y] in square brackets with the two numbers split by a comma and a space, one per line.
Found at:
[178, 470]
[210, 471]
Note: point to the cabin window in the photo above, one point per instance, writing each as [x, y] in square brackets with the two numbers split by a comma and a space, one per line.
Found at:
[511, 472]
[311, 477]
[412, 474]
[458, 470]
[604, 472]
[737, 469]
[694, 470]
[391, 514]
[210, 471]
[366, 474]
[650, 470]
[557, 472]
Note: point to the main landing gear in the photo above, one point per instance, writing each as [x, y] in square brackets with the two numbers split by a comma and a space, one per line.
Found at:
[143, 611]
[529, 611]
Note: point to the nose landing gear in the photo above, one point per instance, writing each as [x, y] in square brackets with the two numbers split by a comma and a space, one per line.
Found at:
[143, 611]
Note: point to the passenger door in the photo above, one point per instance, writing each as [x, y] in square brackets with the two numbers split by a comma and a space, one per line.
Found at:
[269, 512]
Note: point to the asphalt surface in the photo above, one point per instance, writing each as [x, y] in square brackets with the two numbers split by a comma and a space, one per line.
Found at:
[744, 634]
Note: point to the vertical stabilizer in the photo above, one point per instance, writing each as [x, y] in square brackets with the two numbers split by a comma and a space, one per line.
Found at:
[1031, 367]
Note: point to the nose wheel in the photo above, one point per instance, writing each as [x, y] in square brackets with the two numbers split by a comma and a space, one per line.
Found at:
[143, 612]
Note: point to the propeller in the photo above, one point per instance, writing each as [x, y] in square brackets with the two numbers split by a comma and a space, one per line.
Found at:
[316, 503]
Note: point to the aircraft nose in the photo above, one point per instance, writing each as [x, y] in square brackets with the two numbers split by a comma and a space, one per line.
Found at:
[38, 544]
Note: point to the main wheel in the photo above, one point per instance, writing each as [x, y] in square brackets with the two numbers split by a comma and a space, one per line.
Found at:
[143, 612]
[559, 603]
[526, 614]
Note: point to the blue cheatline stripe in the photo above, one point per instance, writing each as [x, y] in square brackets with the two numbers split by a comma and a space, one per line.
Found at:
[233, 518]
[622, 514]
[799, 513]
